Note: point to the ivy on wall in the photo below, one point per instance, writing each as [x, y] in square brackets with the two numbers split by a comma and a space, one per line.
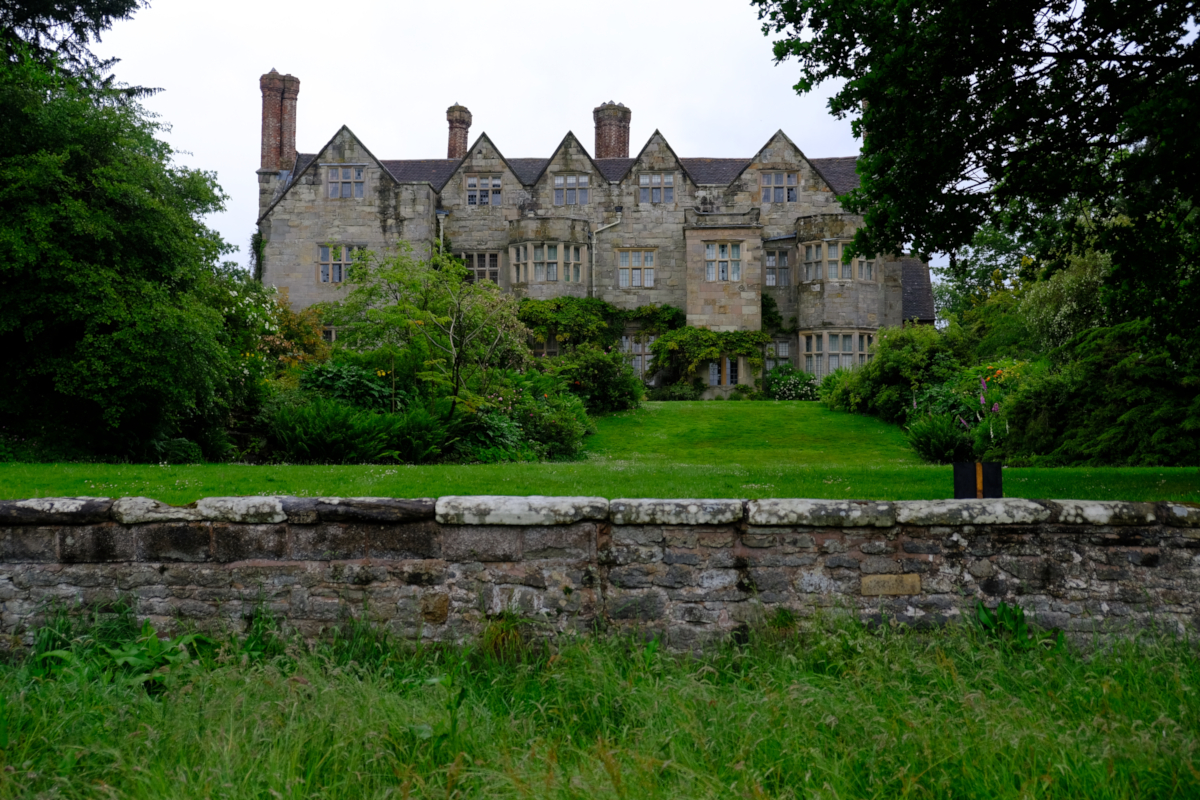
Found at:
[575, 320]
[682, 353]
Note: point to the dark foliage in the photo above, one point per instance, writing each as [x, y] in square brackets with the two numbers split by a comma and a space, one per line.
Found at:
[965, 103]
[1108, 402]
[56, 32]
[603, 379]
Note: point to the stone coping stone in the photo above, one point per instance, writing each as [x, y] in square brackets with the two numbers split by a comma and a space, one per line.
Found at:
[1181, 515]
[311, 510]
[55, 510]
[998, 511]
[822, 513]
[675, 512]
[1102, 512]
[510, 510]
[249, 510]
[140, 510]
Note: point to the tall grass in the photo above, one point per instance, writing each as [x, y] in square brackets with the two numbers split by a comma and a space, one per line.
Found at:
[835, 710]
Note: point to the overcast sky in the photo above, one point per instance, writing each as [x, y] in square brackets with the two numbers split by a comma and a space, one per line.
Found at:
[701, 71]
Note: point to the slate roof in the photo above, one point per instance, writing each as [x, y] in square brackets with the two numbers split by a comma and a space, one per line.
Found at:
[614, 169]
[838, 172]
[302, 161]
[528, 169]
[714, 170]
[918, 291]
[434, 170]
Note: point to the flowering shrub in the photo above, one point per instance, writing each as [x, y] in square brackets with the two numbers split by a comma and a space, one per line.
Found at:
[785, 382]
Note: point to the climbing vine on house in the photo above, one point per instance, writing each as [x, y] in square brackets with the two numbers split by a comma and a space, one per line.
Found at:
[683, 352]
[576, 320]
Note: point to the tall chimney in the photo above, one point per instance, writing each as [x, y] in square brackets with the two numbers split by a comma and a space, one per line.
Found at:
[287, 122]
[460, 122]
[612, 130]
[272, 111]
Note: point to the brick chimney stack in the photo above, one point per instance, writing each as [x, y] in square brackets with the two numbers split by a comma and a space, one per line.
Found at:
[612, 130]
[279, 94]
[460, 122]
[287, 122]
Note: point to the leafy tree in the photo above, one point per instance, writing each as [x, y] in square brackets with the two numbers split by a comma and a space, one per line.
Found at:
[978, 110]
[116, 318]
[467, 328]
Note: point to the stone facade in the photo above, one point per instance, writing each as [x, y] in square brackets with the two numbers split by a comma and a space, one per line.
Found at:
[617, 210]
[689, 570]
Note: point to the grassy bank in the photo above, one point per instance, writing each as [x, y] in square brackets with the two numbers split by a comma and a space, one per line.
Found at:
[727, 449]
[838, 711]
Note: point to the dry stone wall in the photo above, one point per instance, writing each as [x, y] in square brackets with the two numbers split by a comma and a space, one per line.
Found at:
[689, 570]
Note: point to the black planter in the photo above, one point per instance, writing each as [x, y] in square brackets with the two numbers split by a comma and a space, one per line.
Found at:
[974, 479]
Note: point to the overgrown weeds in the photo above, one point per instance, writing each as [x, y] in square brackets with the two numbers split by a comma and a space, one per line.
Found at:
[803, 708]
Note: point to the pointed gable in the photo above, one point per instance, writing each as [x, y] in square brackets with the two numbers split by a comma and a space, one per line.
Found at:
[656, 155]
[343, 147]
[569, 157]
[781, 153]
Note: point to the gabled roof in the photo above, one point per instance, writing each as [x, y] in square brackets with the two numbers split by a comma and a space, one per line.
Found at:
[918, 291]
[714, 170]
[838, 172]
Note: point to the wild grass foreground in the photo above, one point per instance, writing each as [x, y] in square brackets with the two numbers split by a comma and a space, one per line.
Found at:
[834, 710]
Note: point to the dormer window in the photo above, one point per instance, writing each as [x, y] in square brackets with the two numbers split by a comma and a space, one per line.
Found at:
[346, 181]
[570, 190]
[483, 190]
[657, 187]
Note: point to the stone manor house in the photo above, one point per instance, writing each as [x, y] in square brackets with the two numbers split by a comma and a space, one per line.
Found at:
[709, 235]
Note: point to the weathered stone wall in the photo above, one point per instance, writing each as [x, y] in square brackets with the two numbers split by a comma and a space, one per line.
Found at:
[306, 218]
[691, 570]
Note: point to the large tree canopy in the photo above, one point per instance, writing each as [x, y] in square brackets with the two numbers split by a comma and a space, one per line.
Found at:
[115, 314]
[60, 31]
[1010, 111]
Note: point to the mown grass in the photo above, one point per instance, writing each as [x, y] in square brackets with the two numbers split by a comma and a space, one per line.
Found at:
[834, 711]
[740, 449]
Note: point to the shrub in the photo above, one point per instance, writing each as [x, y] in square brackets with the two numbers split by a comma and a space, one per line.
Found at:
[785, 382]
[907, 361]
[327, 431]
[678, 391]
[491, 437]
[603, 380]
[940, 439]
[350, 384]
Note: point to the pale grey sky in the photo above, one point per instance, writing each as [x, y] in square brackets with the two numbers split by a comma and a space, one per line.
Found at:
[700, 71]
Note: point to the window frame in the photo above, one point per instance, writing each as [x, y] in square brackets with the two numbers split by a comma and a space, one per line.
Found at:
[776, 269]
[723, 265]
[473, 191]
[779, 186]
[351, 177]
[567, 266]
[328, 267]
[631, 275]
[571, 189]
[489, 272]
[652, 185]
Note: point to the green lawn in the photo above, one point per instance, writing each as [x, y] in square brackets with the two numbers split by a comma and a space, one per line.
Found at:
[729, 449]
